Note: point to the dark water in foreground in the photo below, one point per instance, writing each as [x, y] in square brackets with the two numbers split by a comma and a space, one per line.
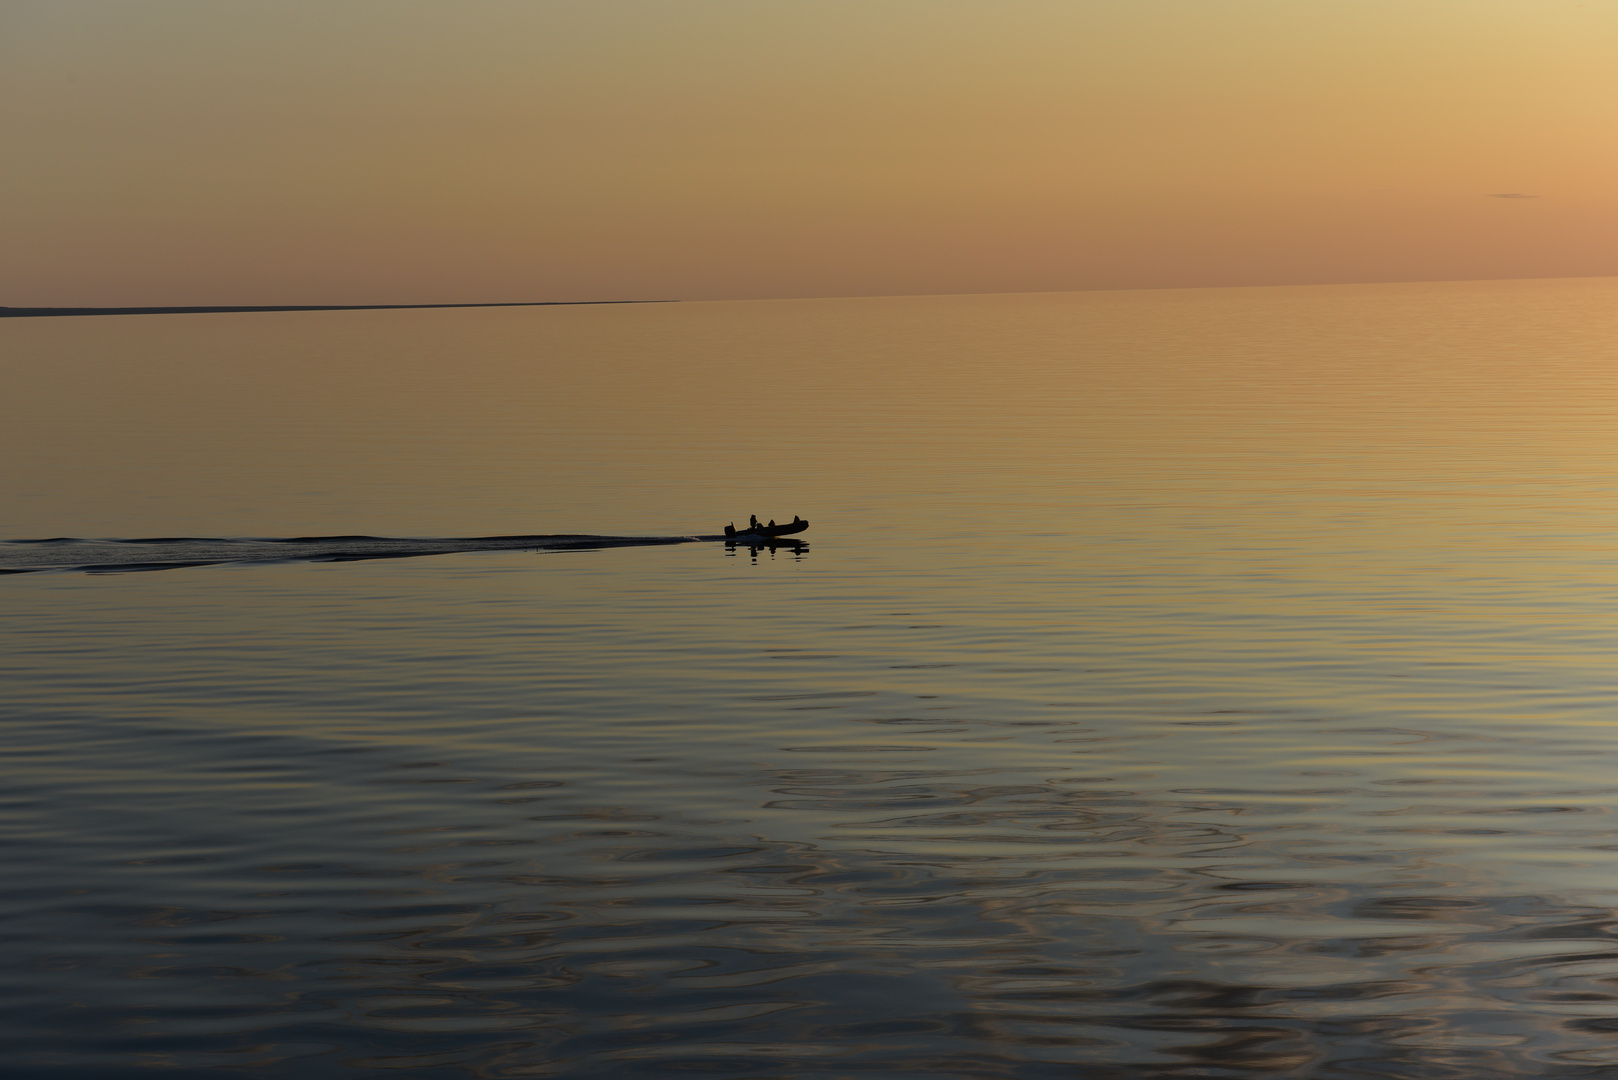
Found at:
[1181, 684]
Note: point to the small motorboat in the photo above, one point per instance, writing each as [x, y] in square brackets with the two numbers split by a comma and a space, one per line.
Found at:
[796, 525]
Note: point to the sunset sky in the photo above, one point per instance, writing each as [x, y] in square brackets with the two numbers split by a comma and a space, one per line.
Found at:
[415, 151]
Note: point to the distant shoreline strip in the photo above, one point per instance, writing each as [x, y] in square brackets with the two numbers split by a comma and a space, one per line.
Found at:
[31, 312]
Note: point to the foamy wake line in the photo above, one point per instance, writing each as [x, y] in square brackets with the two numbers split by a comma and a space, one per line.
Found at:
[173, 552]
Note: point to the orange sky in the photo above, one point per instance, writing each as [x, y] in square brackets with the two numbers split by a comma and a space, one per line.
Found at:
[404, 151]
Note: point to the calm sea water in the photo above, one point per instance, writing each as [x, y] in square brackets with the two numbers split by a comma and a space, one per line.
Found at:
[1212, 683]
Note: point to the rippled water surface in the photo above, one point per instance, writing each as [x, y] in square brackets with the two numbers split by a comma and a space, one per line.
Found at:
[1208, 683]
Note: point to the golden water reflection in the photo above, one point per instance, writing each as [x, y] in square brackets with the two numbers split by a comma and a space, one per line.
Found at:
[1213, 683]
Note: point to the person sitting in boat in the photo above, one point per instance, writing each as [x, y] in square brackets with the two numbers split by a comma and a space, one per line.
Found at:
[752, 521]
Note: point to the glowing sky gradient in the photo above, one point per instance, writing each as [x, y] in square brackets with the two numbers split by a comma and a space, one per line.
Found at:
[407, 151]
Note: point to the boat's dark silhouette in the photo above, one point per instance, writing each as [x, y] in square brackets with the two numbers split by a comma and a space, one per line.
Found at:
[755, 530]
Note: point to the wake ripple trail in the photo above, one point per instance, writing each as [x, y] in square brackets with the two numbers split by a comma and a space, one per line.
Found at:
[173, 552]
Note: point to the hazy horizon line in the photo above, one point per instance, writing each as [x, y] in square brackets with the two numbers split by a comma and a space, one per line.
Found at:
[201, 309]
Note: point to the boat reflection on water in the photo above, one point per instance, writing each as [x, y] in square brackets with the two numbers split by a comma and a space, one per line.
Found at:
[755, 544]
